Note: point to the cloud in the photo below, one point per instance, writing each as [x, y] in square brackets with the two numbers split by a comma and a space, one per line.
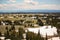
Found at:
[29, 7]
[31, 2]
[12, 1]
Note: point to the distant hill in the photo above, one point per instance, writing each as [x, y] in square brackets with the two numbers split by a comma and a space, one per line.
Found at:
[9, 11]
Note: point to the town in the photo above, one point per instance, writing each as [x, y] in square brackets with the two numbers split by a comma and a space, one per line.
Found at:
[14, 26]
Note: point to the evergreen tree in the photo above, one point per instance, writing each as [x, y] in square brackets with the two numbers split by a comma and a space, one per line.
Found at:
[40, 22]
[12, 27]
[6, 28]
[39, 36]
[27, 36]
[13, 34]
[7, 33]
[21, 31]
[0, 34]
[46, 37]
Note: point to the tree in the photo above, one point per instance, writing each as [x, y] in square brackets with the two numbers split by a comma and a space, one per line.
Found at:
[46, 37]
[12, 27]
[21, 31]
[0, 34]
[40, 22]
[39, 36]
[7, 33]
[33, 36]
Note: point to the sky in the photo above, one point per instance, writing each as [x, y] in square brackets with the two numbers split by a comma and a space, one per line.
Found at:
[25, 5]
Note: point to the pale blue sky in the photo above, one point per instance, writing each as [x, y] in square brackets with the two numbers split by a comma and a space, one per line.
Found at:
[11, 5]
[44, 1]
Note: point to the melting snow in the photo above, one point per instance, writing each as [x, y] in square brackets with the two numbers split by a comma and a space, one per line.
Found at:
[50, 31]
